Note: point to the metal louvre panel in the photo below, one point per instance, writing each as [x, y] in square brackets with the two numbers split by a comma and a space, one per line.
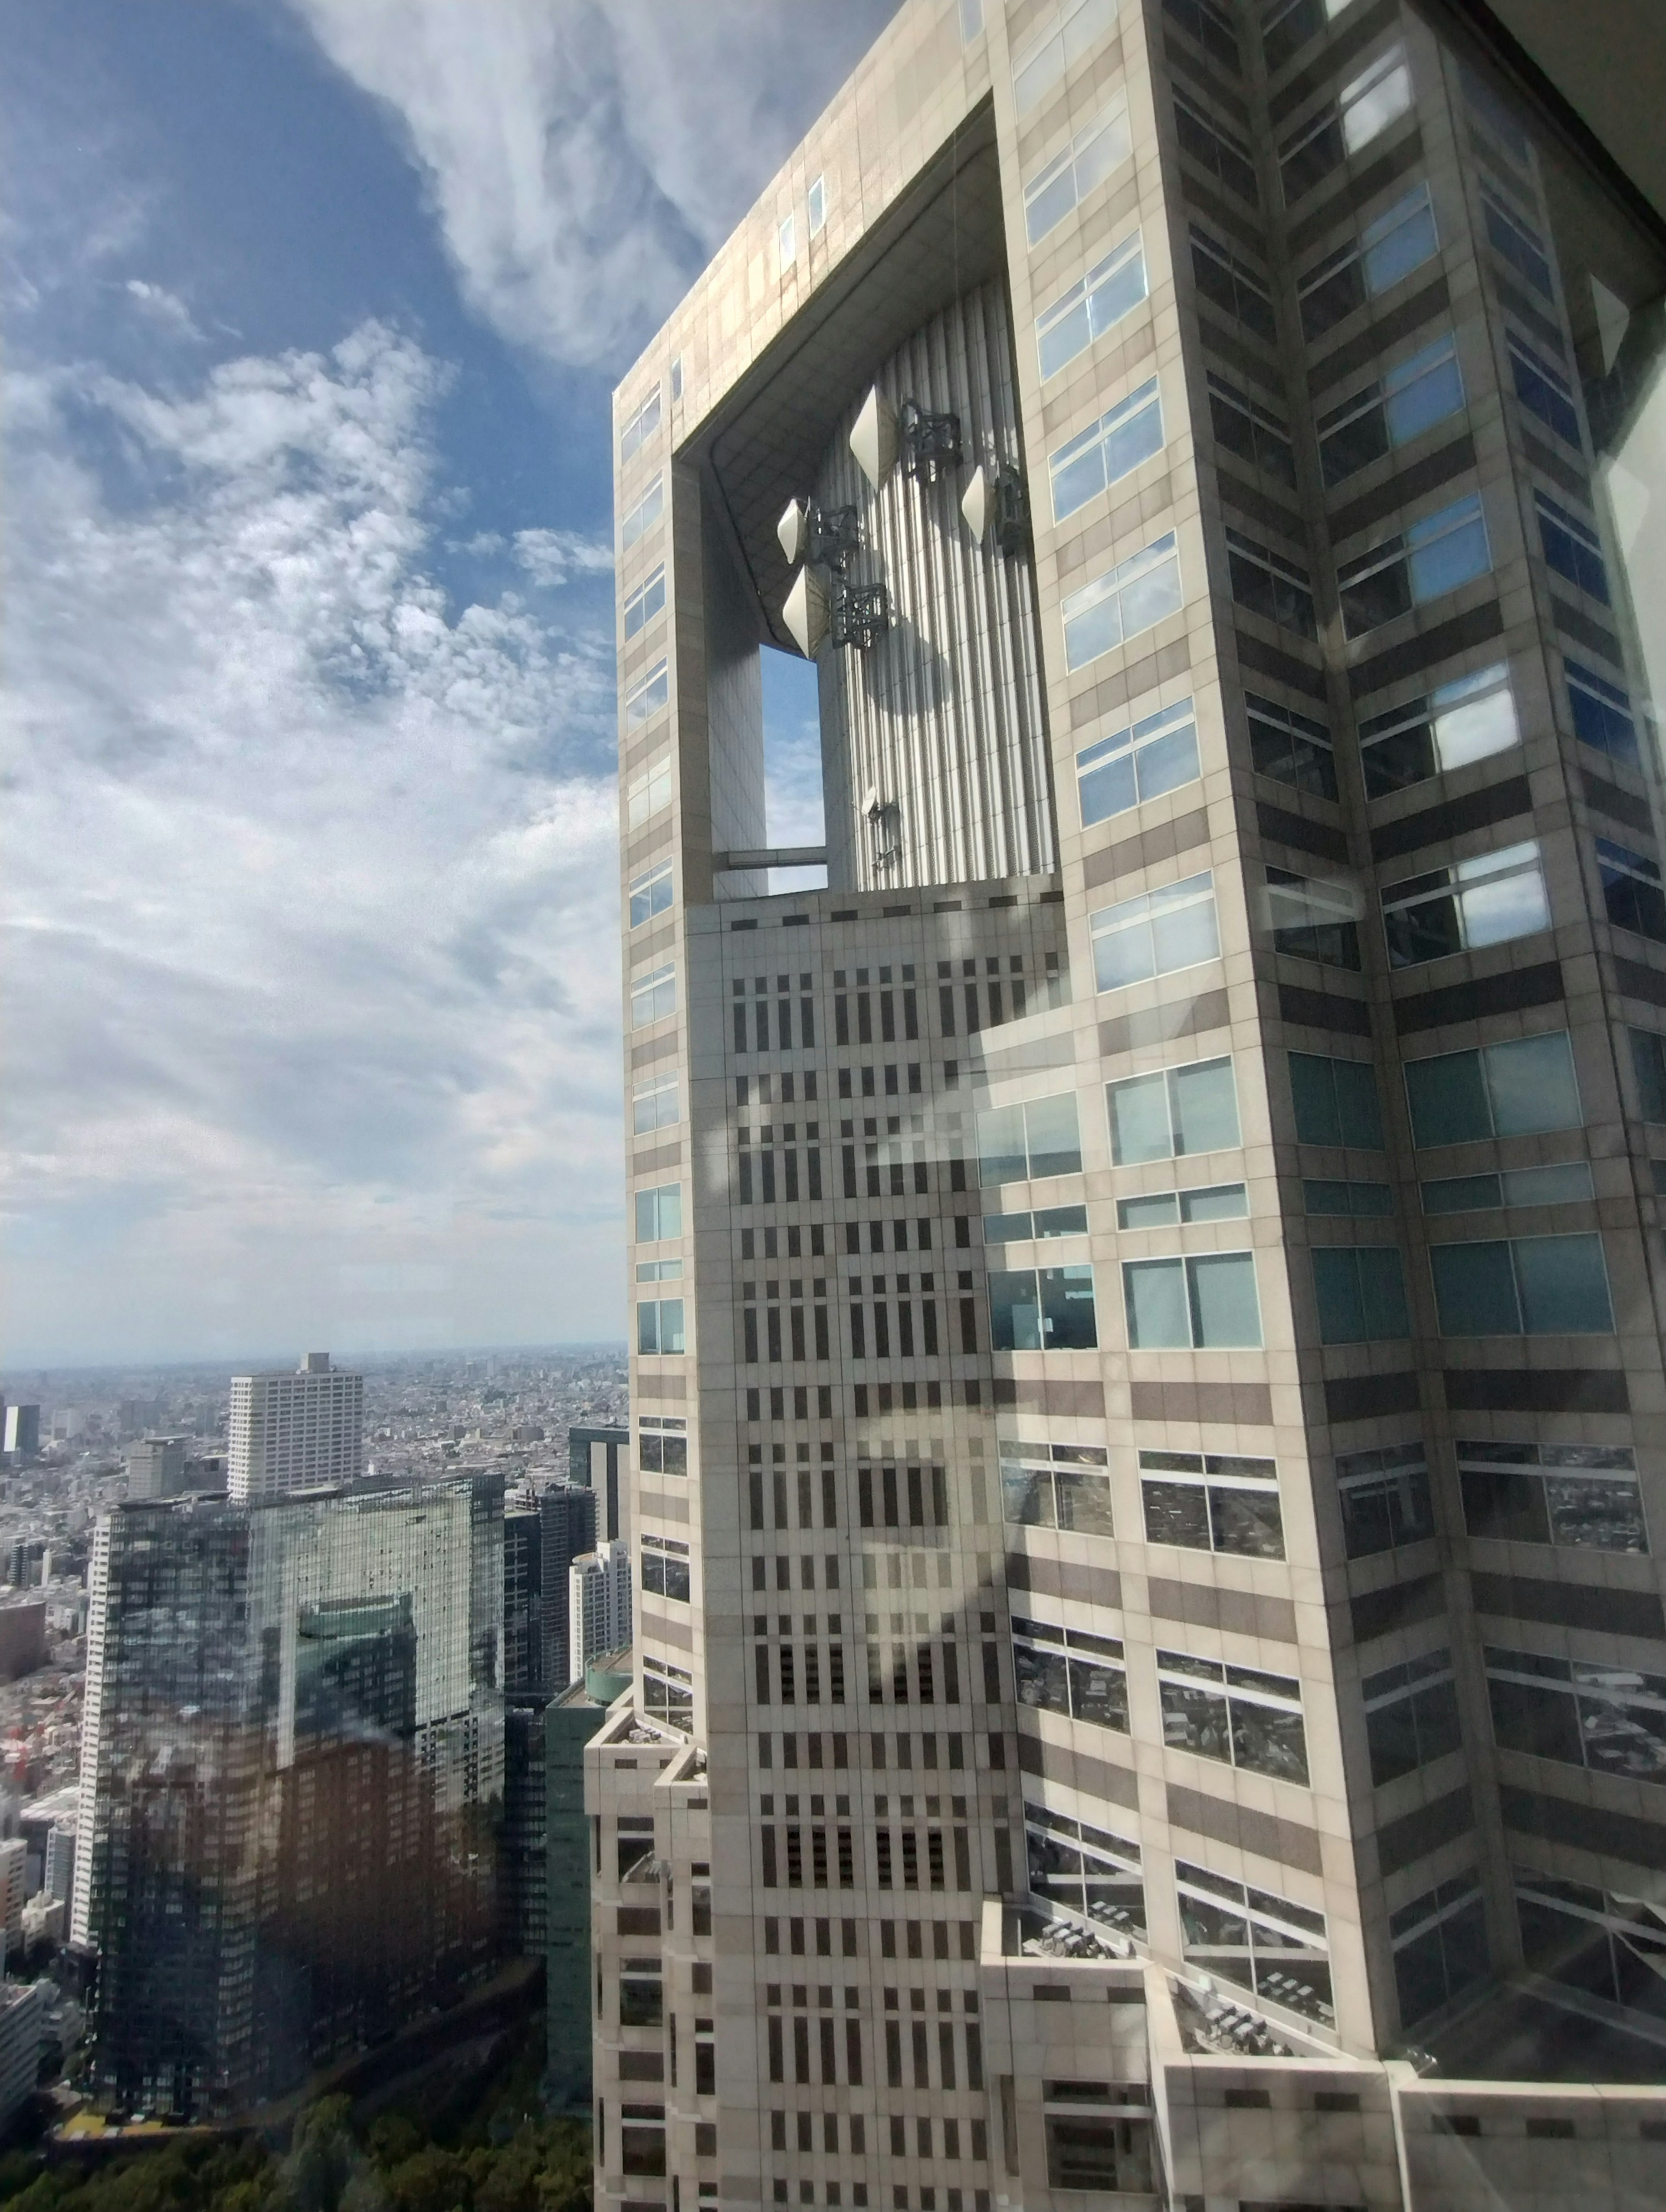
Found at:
[943, 718]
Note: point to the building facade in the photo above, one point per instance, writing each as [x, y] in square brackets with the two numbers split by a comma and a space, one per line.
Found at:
[598, 1604]
[292, 1767]
[598, 1458]
[156, 1466]
[1153, 1274]
[295, 1430]
[569, 1515]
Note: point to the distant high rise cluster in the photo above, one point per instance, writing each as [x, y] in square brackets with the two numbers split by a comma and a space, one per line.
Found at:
[293, 1741]
[1150, 1660]
[294, 1431]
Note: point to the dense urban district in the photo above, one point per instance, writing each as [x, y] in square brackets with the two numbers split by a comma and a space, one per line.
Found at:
[301, 1847]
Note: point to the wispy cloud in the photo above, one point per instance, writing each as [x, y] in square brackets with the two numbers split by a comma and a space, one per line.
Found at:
[311, 874]
[584, 157]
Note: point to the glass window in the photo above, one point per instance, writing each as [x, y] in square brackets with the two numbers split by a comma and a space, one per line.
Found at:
[1313, 921]
[1288, 25]
[1038, 1138]
[668, 1693]
[1583, 1496]
[641, 427]
[1411, 1716]
[1386, 1499]
[1039, 1494]
[1581, 1712]
[1167, 1209]
[1466, 719]
[1205, 1300]
[665, 1567]
[1572, 547]
[650, 894]
[1420, 563]
[1237, 1715]
[1562, 1185]
[1046, 1221]
[643, 516]
[786, 242]
[646, 794]
[1543, 389]
[676, 377]
[971, 20]
[1111, 289]
[640, 2006]
[1278, 590]
[1211, 25]
[1402, 405]
[1128, 599]
[1364, 107]
[1084, 1869]
[1601, 712]
[646, 698]
[1211, 1501]
[1068, 180]
[1065, 1671]
[1107, 450]
[1360, 1291]
[1290, 748]
[1515, 1089]
[662, 1444]
[658, 1212]
[646, 601]
[1439, 1946]
[1152, 755]
[815, 204]
[1172, 1112]
[1363, 1200]
[1232, 284]
[1632, 890]
[1076, 29]
[653, 1104]
[1515, 238]
[1214, 148]
[1335, 1101]
[653, 995]
[1247, 428]
[1155, 933]
[1484, 900]
[1649, 1067]
[1256, 1940]
[1042, 1309]
[1522, 1286]
[1400, 241]
[660, 1325]
[1596, 1943]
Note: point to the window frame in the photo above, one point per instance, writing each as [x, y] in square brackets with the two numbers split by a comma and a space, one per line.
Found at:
[635, 433]
[635, 524]
[1146, 910]
[1162, 727]
[1110, 590]
[1430, 710]
[1082, 298]
[638, 614]
[1122, 429]
[1458, 882]
[1191, 1267]
[1114, 111]
[646, 889]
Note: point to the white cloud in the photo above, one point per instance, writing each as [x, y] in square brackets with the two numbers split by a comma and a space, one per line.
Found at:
[585, 157]
[311, 882]
[553, 558]
[165, 310]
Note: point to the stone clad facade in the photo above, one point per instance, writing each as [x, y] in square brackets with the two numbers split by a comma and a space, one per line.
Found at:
[1147, 1396]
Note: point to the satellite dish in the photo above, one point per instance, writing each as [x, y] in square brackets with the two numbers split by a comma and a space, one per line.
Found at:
[873, 440]
[805, 612]
[791, 530]
[974, 506]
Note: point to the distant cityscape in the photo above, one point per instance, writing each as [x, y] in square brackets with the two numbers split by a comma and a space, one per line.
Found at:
[277, 1649]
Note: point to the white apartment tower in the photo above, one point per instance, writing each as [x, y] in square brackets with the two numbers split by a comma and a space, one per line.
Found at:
[294, 1430]
[1152, 1627]
[598, 1604]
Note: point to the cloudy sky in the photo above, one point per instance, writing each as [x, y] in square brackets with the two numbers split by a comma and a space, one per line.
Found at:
[312, 308]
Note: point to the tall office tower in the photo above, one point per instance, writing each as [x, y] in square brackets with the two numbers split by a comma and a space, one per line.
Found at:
[598, 1604]
[595, 1457]
[22, 1431]
[295, 1430]
[569, 1515]
[1158, 1259]
[156, 1466]
[523, 1594]
[292, 1733]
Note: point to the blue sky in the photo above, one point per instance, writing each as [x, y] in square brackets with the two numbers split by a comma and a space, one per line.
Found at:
[313, 311]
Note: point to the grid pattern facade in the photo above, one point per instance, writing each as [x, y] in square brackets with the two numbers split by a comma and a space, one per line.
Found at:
[293, 1432]
[1164, 1343]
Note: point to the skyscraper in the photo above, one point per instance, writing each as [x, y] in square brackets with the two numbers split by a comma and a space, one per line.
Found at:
[599, 1591]
[22, 1431]
[292, 1738]
[156, 1466]
[568, 1515]
[1156, 1260]
[294, 1431]
[596, 1458]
